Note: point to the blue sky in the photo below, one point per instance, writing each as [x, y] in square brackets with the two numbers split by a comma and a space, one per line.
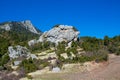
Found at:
[91, 17]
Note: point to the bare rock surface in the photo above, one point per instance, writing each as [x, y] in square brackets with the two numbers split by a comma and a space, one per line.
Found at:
[25, 24]
[29, 26]
[19, 51]
[60, 33]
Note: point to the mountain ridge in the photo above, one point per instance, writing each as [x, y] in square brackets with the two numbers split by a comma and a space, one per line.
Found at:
[15, 33]
[12, 25]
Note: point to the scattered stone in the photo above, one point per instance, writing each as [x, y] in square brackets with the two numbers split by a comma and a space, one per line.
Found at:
[56, 69]
[64, 55]
[16, 63]
[32, 42]
[29, 26]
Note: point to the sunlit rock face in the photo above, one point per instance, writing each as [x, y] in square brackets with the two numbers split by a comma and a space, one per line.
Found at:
[19, 51]
[13, 25]
[60, 33]
[28, 25]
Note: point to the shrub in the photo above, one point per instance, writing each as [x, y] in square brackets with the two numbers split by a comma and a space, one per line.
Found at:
[112, 49]
[4, 60]
[60, 48]
[106, 40]
[28, 65]
[101, 55]
[91, 43]
[118, 52]
[41, 46]
[29, 77]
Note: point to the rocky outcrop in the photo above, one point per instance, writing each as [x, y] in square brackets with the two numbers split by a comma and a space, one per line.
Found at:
[5, 27]
[28, 25]
[19, 51]
[32, 42]
[13, 25]
[60, 33]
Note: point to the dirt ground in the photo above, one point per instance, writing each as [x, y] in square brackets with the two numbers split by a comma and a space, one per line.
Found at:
[107, 71]
[110, 71]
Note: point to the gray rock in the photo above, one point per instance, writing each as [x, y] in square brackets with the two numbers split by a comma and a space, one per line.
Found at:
[25, 24]
[59, 34]
[32, 42]
[29, 26]
[5, 27]
[33, 56]
[56, 69]
[12, 53]
[19, 51]
[16, 63]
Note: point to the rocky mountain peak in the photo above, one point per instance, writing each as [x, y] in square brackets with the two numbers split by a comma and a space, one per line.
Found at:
[26, 22]
[13, 25]
[28, 25]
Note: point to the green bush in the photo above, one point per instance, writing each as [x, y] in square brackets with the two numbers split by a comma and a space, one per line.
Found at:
[28, 65]
[60, 48]
[91, 43]
[41, 46]
[101, 55]
[106, 40]
[4, 60]
[118, 52]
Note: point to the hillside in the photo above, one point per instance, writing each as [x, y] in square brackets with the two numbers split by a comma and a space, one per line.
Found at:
[102, 71]
[16, 33]
[26, 50]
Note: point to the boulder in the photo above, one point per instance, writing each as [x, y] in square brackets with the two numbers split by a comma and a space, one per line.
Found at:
[32, 42]
[16, 63]
[60, 33]
[5, 27]
[56, 69]
[19, 51]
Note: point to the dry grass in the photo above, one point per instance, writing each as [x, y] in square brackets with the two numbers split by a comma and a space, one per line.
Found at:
[105, 71]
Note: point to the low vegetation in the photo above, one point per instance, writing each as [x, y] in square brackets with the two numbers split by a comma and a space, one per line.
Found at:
[31, 65]
[16, 36]
[94, 50]
[41, 46]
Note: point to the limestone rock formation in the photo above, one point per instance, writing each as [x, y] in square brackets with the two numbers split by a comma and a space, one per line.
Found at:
[13, 25]
[19, 51]
[60, 33]
[28, 25]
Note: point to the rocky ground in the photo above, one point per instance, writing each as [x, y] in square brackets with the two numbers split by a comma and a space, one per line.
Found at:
[93, 71]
